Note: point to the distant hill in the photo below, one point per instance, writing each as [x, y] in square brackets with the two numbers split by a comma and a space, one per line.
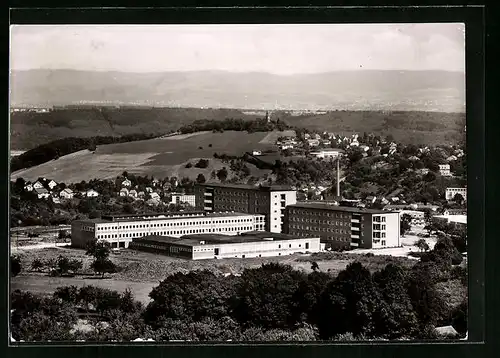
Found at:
[354, 90]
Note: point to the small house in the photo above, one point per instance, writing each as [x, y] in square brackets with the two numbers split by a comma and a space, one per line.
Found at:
[92, 193]
[124, 192]
[28, 187]
[149, 190]
[38, 185]
[66, 194]
[371, 199]
[42, 193]
[52, 184]
[155, 196]
[132, 193]
[126, 183]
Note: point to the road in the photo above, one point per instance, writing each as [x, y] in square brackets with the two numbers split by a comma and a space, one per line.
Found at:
[13, 248]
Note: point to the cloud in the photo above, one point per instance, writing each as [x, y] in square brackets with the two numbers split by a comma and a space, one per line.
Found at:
[282, 49]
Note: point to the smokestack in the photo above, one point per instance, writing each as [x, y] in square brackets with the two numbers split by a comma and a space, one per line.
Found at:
[338, 176]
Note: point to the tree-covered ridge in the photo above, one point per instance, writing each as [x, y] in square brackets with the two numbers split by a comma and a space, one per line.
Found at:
[232, 124]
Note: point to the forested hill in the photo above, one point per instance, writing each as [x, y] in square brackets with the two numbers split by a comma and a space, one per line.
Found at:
[30, 129]
[350, 90]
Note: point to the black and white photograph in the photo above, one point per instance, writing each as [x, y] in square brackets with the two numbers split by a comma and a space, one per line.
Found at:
[238, 183]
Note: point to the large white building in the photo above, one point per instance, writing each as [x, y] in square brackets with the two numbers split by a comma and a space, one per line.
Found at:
[451, 192]
[213, 246]
[119, 230]
[344, 227]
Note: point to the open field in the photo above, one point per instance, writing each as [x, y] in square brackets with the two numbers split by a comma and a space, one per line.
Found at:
[157, 157]
[141, 271]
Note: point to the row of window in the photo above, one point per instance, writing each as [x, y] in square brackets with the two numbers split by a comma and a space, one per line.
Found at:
[379, 219]
[379, 235]
[189, 223]
[321, 213]
[175, 232]
[378, 227]
[317, 221]
[324, 229]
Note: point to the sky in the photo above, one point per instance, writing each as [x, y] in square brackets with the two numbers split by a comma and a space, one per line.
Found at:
[278, 49]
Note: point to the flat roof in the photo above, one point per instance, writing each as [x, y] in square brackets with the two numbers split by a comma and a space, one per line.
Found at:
[326, 206]
[214, 239]
[171, 217]
[249, 187]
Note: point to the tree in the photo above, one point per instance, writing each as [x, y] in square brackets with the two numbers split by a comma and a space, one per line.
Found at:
[15, 265]
[100, 251]
[190, 297]
[202, 163]
[459, 318]
[37, 265]
[103, 266]
[405, 224]
[458, 198]
[200, 179]
[422, 245]
[265, 296]
[349, 303]
[314, 266]
[222, 174]
[395, 317]
[189, 165]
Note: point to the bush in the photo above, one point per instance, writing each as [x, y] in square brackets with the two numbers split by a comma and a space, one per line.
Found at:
[189, 165]
[202, 163]
[15, 265]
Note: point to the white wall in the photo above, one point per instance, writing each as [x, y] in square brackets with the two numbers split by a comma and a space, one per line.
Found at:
[254, 249]
[392, 231]
[277, 211]
[125, 231]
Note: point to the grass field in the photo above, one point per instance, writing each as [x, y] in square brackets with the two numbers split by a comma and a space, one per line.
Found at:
[157, 157]
[142, 271]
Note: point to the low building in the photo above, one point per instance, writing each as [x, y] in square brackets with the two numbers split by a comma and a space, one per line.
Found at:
[132, 193]
[28, 187]
[444, 170]
[451, 192]
[457, 220]
[124, 192]
[119, 230]
[216, 246]
[42, 193]
[344, 227]
[126, 183]
[91, 193]
[66, 194]
[38, 185]
[183, 198]
[327, 153]
[52, 184]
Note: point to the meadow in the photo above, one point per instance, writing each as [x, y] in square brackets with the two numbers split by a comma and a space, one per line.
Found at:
[159, 157]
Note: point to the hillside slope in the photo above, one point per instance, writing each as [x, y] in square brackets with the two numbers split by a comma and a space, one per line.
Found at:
[355, 90]
[157, 157]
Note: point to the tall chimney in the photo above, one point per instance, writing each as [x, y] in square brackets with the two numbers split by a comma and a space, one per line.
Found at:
[338, 176]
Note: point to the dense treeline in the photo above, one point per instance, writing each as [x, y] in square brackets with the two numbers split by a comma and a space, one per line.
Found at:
[272, 302]
[231, 124]
[60, 147]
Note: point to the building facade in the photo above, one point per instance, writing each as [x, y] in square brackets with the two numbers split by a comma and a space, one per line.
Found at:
[344, 227]
[183, 198]
[120, 230]
[451, 192]
[210, 246]
[327, 153]
[270, 201]
[444, 170]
